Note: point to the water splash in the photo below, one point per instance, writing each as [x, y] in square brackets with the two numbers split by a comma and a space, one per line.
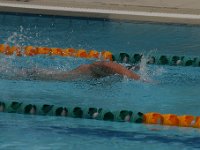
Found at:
[144, 69]
[10, 63]
[147, 72]
[17, 38]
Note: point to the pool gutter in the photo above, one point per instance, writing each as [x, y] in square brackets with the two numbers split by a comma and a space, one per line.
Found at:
[136, 14]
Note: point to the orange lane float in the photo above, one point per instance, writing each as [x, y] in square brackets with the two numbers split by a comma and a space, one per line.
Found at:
[93, 54]
[7, 50]
[43, 50]
[32, 51]
[56, 51]
[81, 53]
[107, 55]
[153, 118]
[197, 122]
[69, 52]
[16, 50]
[186, 120]
[4, 48]
[172, 120]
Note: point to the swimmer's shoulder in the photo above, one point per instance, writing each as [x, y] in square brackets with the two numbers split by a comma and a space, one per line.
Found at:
[108, 63]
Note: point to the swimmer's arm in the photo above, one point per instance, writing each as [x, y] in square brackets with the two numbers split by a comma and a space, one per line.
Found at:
[47, 74]
[51, 75]
[125, 72]
[44, 74]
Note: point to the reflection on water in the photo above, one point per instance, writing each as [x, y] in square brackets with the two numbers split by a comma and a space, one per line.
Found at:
[39, 130]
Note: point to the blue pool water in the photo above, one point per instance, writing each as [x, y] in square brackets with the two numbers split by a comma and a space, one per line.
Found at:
[171, 90]
[98, 34]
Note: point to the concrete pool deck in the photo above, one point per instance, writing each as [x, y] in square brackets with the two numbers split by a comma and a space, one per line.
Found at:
[168, 11]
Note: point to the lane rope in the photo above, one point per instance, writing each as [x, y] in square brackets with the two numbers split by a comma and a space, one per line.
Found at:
[100, 114]
[172, 60]
[72, 111]
[66, 52]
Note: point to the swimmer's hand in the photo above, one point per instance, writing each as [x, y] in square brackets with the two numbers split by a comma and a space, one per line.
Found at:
[145, 80]
[149, 81]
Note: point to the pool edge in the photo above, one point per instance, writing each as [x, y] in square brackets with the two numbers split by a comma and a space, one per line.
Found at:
[153, 16]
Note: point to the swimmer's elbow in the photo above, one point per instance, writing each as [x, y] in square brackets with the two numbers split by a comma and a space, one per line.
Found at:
[135, 77]
[131, 75]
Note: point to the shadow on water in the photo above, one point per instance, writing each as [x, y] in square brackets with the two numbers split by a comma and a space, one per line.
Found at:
[143, 137]
[103, 133]
[99, 82]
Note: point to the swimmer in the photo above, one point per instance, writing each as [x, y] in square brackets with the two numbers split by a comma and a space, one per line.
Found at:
[86, 71]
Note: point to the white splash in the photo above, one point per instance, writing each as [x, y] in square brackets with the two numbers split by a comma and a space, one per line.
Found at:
[17, 39]
[144, 71]
[7, 65]
[148, 73]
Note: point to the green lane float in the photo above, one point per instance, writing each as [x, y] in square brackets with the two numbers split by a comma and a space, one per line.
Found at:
[104, 55]
[101, 114]
[159, 59]
[72, 111]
